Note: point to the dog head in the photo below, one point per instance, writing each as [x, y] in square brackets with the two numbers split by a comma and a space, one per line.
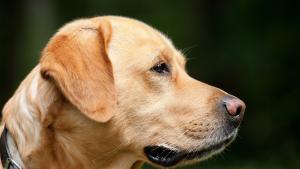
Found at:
[123, 72]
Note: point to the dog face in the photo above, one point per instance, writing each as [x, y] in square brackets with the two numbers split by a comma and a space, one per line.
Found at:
[122, 72]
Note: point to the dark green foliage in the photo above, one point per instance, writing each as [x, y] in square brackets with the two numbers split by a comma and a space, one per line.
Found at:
[249, 48]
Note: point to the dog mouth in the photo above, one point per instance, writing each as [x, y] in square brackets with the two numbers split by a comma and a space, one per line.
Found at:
[167, 157]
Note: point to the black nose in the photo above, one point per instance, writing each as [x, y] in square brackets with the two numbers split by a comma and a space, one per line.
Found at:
[235, 109]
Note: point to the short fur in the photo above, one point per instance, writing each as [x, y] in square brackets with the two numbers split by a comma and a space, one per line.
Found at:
[92, 102]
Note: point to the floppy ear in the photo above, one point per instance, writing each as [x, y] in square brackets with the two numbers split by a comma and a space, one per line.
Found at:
[79, 65]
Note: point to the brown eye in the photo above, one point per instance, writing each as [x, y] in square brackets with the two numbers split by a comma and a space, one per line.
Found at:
[161, 68]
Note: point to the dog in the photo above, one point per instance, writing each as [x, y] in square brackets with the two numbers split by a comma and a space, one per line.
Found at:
[112, 93]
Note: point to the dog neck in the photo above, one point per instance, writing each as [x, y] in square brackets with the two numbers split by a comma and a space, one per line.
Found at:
[49, 132]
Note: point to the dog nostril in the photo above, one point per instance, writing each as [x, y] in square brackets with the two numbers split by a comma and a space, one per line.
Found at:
[234, 106]
[238, 110]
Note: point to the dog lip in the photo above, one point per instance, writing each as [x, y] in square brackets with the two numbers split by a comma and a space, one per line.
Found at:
[166, 157]
[163, 156]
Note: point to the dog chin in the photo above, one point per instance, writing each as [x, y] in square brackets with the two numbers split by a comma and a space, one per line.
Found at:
[163, 155]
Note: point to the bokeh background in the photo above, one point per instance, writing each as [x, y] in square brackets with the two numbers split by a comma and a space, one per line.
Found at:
[249, 48]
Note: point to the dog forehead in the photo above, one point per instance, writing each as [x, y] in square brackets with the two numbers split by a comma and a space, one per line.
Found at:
[131, 30]
[139, 39]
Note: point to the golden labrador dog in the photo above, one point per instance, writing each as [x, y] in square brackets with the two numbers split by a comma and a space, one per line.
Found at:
[112, 93]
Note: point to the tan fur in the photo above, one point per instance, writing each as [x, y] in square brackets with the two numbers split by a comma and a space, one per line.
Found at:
[93, 102]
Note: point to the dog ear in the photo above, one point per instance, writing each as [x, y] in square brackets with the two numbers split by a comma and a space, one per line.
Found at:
[77, 61]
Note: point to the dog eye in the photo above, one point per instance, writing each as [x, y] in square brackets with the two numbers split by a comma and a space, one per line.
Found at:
[161, 68]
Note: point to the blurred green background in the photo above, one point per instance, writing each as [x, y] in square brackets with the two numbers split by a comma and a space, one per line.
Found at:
[249, 48]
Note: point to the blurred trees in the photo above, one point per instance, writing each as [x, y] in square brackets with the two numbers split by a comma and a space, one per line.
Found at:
[248, 48]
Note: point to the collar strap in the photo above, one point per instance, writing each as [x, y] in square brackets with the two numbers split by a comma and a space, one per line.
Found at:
[6, 158]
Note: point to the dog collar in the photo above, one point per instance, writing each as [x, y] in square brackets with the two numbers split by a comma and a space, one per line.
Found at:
[6, 158]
